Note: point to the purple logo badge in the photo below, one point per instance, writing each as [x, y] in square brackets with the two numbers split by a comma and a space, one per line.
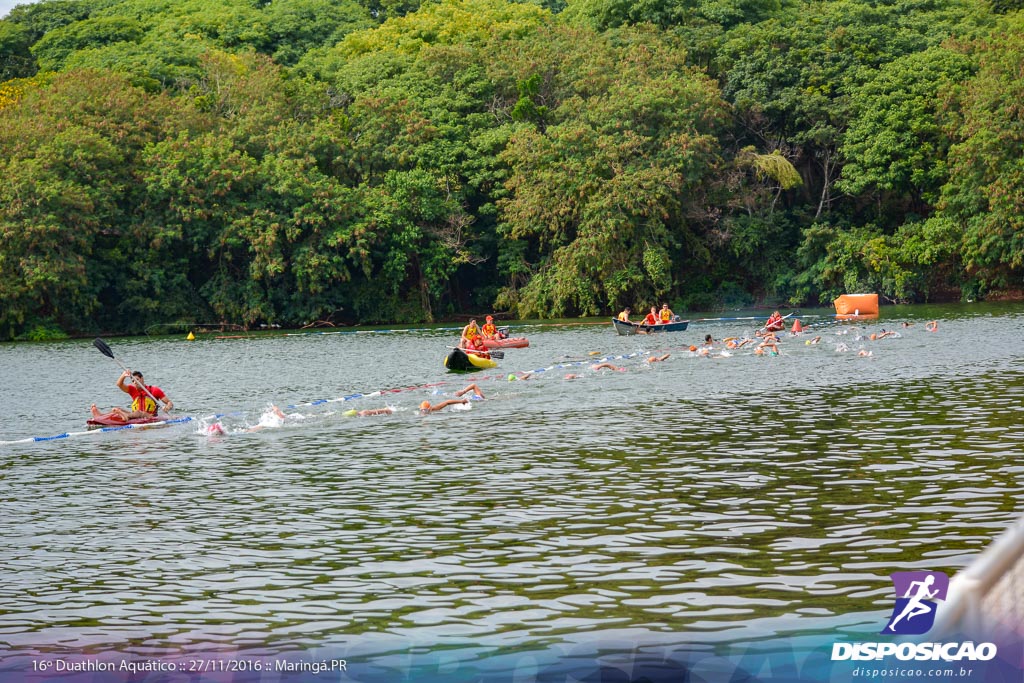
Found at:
[916, 593]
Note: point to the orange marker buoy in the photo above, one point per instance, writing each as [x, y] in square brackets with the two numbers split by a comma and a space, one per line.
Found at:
[797, 327]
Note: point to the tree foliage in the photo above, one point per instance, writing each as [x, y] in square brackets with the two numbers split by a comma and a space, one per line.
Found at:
[392, 160]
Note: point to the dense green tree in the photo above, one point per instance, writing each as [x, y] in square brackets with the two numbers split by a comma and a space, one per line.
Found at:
[53, 49]
[985, 192]
[895, 148]
[605, 14]
[69, 151]
[16, 60]
[606, 194]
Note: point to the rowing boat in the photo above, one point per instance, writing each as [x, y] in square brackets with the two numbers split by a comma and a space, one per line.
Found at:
[460, 361]
[628, 328]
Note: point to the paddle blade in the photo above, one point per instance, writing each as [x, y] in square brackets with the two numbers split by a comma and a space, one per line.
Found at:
[497, 354]
[102, 346]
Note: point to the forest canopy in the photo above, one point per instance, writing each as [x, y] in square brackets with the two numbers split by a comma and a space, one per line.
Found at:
[388, 161]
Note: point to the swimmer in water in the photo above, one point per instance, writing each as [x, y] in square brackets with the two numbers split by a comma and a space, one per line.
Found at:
[656, 359]
[426, 406]
[272, 418]
[607, 366]
[369, 412]
[477, 394]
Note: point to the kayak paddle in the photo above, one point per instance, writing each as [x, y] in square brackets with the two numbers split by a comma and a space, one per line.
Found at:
[105, 349]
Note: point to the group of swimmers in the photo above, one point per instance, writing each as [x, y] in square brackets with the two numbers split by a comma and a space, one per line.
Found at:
[273, 417]
[145, 397]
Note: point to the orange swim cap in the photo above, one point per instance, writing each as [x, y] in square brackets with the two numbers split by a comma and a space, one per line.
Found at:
[425, 405]
[693, 348]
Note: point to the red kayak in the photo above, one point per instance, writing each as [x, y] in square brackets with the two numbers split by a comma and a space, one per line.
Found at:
[112, 420]
[507, 343]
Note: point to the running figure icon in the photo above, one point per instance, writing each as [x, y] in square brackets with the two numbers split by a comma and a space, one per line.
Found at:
[914, 612]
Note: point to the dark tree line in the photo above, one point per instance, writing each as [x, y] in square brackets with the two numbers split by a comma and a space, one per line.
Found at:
[296, 160]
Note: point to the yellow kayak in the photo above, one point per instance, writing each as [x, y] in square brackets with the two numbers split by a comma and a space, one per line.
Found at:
[460, 361]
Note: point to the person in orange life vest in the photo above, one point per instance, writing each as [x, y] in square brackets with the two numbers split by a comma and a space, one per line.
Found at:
[476, 345]
[468, 332]
[624, 315]
[489, 331]
[665, 314]
[774, 322]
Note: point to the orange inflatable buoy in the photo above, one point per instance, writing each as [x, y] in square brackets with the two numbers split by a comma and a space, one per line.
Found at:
[797, 327]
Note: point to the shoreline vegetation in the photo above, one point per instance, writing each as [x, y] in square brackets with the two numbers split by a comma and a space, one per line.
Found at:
[380, 162]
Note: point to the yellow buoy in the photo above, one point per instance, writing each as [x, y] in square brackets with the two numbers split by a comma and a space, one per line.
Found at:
[191, 337]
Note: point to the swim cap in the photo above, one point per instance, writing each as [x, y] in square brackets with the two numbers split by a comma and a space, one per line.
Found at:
[350, 413]
[425, 405]
[693, 348]
[511, 377]
[476, 397]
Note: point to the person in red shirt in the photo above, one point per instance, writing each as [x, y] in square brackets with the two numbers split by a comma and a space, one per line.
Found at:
[144, 397]
[476, 346]
[652, 317]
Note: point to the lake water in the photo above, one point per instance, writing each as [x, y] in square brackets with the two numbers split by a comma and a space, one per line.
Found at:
[696, 502]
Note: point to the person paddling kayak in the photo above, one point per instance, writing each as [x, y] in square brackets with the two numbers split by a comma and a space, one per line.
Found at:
[144, 398]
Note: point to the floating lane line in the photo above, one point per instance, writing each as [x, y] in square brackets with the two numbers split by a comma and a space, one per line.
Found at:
[99, 430]
[317, 402]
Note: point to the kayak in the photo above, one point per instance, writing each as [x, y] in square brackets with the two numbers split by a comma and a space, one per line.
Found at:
[112, 420]
[460, 361]
[507, 343]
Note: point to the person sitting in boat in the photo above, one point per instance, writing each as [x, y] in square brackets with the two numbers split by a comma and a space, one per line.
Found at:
[665, 314]
[652, 318]
[144, 397]
[476, 346]
[774, 322]
[490, 330]
[624, 315]
[468, 332]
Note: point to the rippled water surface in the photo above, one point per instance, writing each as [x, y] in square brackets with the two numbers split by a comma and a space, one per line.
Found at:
[700, 499]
